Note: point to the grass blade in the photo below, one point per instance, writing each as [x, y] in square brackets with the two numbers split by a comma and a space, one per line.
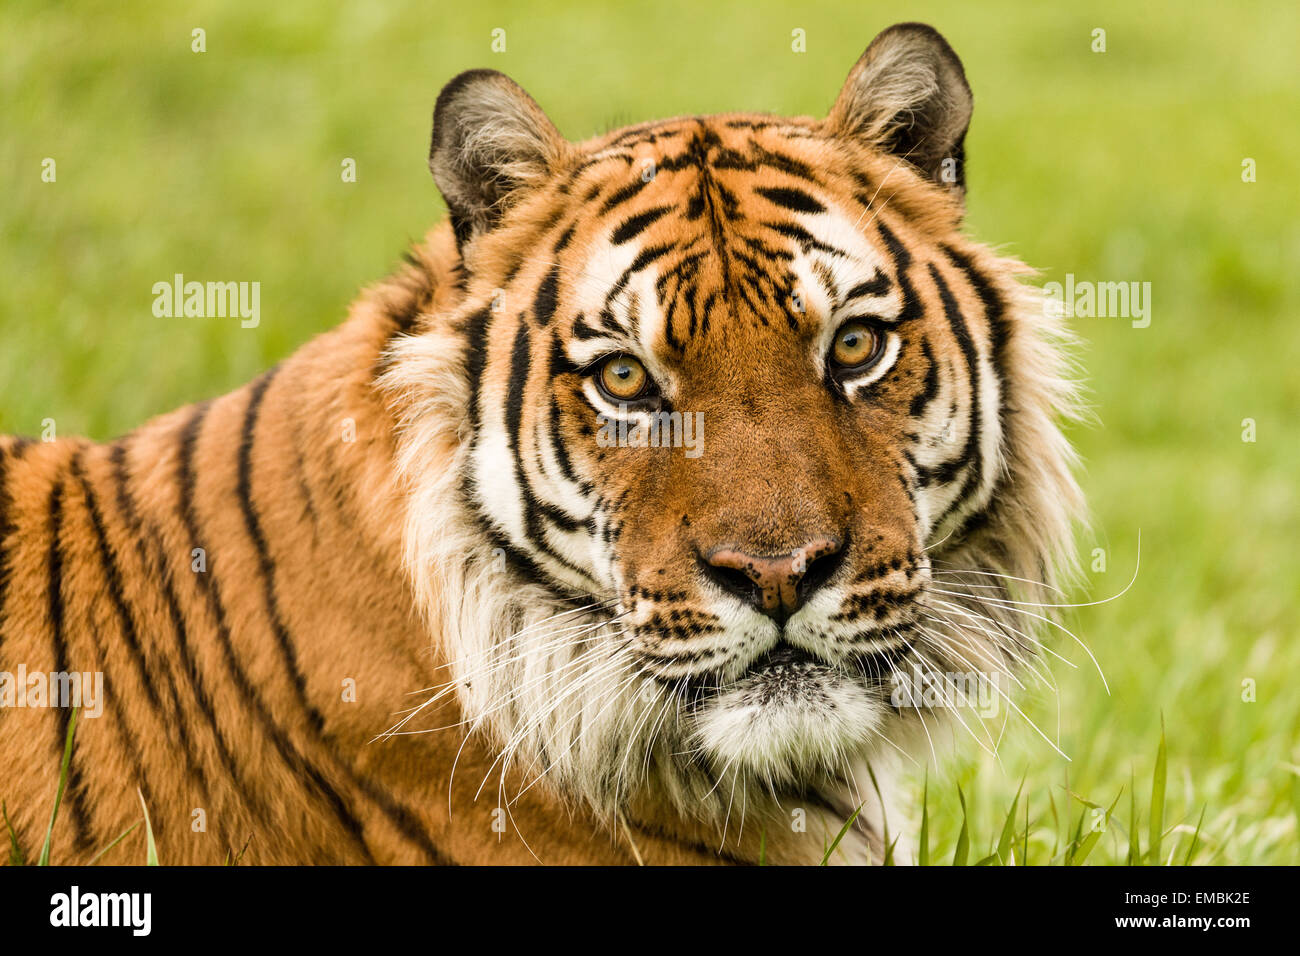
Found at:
[125, 833]
[16, 857]
[1075, 839]
[1196, 835]
[1157, 822]
[962, 853]
[884, 820]
[923, 851]
[840, 836]
[151, 851]
[1134, 839]
[63, 782]
[1009, 827]
[240, 855]
[1094, 834]
[1056, 824]
[1025, 858]
[889, 852]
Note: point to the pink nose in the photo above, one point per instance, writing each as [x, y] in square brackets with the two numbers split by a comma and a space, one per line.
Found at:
[778, 584]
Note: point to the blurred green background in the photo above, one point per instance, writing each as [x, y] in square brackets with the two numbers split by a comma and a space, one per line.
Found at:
[1122, 165]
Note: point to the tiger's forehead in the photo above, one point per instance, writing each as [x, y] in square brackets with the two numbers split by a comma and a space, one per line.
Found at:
[703, 227]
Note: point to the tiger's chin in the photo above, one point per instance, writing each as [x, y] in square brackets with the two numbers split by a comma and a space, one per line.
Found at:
[790, 723]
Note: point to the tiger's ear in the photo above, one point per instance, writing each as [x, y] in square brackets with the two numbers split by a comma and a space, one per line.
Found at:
[907, 95]
[490, 142]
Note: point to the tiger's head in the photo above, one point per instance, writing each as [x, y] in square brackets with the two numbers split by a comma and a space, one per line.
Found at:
[734, 427]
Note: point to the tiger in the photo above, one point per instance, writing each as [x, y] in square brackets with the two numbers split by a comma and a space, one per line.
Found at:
[600, 532]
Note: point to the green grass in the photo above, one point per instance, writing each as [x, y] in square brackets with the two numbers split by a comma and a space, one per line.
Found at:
[1124, 165]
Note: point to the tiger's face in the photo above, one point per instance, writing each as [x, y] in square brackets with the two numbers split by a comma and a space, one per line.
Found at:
[731, 384]
[723, 425]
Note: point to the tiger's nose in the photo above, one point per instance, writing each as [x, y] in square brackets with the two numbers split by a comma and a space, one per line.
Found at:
[777, 585]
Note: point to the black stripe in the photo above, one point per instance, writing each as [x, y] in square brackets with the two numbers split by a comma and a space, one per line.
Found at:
[8, 527]
[476, 359]
[877, 285]
[973, 453]
[637, 224]
[705, 311]
[994, 309]
[74, 794]
[623, 195]
[116, 590]
[211, 588]
[644, 258]
[404, 820]
[683, 271]
[244, 491]
[304, 489]
[767, 252]
[562, 453]
[930, 387]
[669, 335]
[565, 238]
[523, 563]
[520, 365]
[999, 336]
[787, 164]
[796, 200]
[559, 364]
[609, 323]
[807, 241]
[113, 578]
[547, 294]
[581, 330]
[704, 203]
[902, 262]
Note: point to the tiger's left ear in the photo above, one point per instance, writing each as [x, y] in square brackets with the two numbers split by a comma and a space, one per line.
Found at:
[491, 141]
[907, 95]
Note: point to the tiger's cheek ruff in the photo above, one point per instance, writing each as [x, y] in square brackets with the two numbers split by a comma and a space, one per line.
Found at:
[549, 678]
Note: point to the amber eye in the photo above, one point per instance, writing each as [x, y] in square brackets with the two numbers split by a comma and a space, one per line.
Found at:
[623, 378]
[856, 345]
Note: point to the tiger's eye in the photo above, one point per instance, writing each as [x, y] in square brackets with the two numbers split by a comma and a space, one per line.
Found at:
[623, 378]
[855, 344]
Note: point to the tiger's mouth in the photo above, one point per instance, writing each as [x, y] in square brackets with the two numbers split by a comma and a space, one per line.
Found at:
[788, 676]
[787, 669]
[791, 715]
[780, 659]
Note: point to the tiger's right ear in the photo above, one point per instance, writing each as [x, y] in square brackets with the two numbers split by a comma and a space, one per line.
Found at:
[490, 142]
[908, 96]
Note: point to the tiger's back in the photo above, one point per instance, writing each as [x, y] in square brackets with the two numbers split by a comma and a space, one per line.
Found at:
[212, 567]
